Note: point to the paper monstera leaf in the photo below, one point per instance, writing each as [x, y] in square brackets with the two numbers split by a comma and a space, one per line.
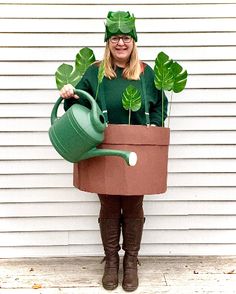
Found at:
[66, 74]
[131, 99]
[101, 72]
[180, 77]
[169, 76]
[84, 58]
[164, 77]
[120, 20]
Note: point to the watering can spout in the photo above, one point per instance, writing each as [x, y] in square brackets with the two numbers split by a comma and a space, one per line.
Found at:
[129, 157]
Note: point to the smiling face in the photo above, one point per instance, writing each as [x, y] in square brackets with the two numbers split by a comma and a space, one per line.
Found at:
[121, 47]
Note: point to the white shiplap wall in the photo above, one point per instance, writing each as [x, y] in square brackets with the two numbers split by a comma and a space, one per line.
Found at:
[40, 211]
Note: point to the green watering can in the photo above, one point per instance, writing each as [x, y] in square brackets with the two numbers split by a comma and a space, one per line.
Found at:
[76, 134]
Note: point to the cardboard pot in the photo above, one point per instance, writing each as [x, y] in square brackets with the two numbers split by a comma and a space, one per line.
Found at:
[111, 175]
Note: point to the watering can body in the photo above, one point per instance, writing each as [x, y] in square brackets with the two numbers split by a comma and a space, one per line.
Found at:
[79, 130]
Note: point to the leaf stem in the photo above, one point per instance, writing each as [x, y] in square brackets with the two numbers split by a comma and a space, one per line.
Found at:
[170, 108]
[129, 115]
[96, 96]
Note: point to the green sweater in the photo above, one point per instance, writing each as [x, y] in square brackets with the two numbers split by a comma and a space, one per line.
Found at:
[113, 90]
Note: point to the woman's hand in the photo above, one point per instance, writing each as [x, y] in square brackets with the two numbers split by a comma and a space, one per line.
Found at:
[68, 92]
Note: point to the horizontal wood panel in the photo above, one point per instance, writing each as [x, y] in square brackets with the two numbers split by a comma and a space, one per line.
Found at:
[91, 208]
[153, 207]
[184, 249]
[189, 236]
[49, 223]
[47, 194]
[10, 96]
[36, 167]
[41, 224]
[21, 110]
[90, 39]
[50, 96]
[24, 124]
[175, 151]
[203, 180]
[65, 180]
[38, 251]
[88, 11]
[177, 138]
[204, 109]
[149, 53]
[131, 2]
[34, 238]
[91, 26]
[50, 209]
[203, 137]
[25, 139]
[176, 123]
[202, 165]
[202, 123]
[63, 167]
[165, 236]
[36, 181]
[204, 151]
[34, 152]
[72, 194]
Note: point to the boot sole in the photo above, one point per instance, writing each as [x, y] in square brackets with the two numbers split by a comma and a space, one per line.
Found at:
[110, 287]
[129, 289]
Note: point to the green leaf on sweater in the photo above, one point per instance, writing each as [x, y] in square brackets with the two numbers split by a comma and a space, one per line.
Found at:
[131, 99]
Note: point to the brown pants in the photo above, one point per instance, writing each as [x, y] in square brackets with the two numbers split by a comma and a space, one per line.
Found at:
[113, 206]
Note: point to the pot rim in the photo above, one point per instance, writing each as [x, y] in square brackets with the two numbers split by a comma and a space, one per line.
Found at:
[124, 134]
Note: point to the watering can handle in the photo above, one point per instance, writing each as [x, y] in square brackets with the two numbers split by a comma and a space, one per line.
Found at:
[87, 96]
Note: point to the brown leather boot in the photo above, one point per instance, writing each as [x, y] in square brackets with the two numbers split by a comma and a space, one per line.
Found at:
[110, 233]
[132, 229]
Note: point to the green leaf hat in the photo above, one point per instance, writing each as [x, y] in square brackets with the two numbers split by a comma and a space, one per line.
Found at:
[118, 23]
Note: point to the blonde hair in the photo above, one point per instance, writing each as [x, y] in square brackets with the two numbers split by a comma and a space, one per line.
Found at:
[131, 71]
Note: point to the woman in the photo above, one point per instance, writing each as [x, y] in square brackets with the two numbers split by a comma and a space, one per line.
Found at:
[122, 68]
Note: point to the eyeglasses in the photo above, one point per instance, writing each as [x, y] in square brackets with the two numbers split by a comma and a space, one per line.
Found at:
[116, 39]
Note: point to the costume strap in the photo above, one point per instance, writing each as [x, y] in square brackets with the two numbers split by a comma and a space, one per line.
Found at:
[143, 85]
[103, 102]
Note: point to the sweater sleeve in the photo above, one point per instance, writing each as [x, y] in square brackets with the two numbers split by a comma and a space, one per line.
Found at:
[154, 97]
[87, 83]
